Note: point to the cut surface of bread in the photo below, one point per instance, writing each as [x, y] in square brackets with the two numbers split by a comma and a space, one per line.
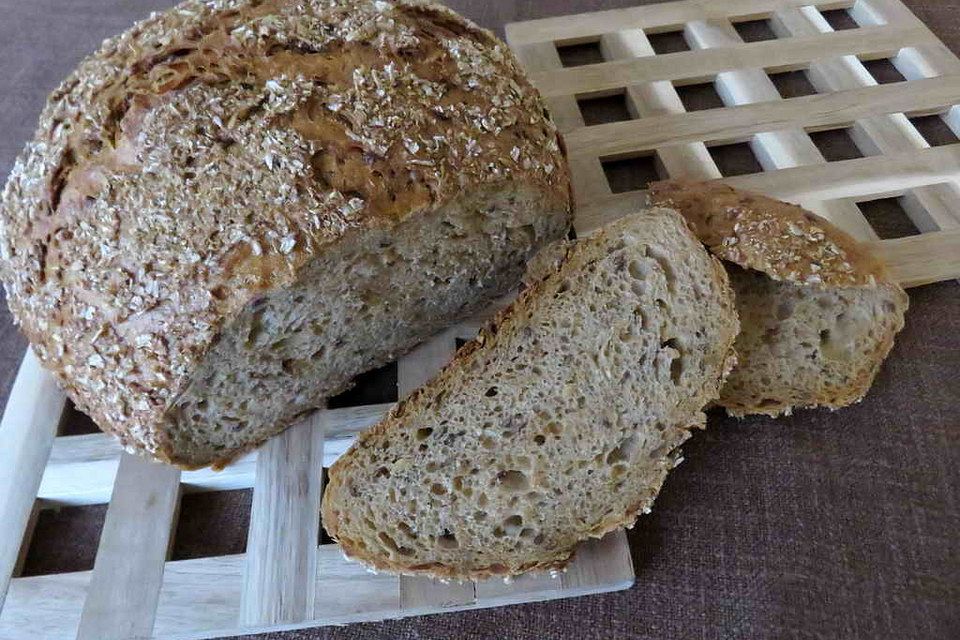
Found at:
[357, 307]
[818, 311]
[558, 423]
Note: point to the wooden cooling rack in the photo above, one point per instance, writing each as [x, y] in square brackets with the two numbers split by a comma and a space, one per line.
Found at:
[285, 579]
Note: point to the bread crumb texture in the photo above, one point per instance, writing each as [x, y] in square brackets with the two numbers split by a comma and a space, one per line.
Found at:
[818, 310]
[205, 157]
[558, 423]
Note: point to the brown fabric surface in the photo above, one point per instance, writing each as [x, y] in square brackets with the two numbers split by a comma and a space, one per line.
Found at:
[822, 525]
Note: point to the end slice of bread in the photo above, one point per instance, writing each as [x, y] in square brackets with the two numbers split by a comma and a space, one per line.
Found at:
[557, 424]
[818, 310]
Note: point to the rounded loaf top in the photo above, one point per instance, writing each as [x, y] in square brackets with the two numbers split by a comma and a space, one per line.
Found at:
[202, 157]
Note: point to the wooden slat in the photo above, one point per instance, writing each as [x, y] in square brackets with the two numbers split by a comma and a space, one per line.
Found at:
[652, 18]
[860, 177]
[46, 607]
[418, 594]
[122, 598]
[690, 160]
[82, 468]
[604, 561]
[779, 149]
[27, 431]
[931, 208]
[698, 66]
[923, 259]
[543, 56]
[200, 598]
[281, 558]
[834, 109]
[25, 542]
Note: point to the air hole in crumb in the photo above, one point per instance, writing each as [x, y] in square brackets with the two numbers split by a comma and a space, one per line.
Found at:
[448, 541]
[491, 392]
[539, 439]
[513, 525]
[423, 433]
[624, 451]
[388, 542]
[438, 489]
[513, 480]
[638, 270]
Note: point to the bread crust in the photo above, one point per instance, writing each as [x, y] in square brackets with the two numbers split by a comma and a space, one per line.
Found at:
[554, 259]
[789, 244]
[782, 240]
[201, 159]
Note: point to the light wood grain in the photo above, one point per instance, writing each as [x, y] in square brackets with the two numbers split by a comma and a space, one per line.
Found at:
[281, 558]
[122, 597]
[919, 260]
[779, 149]
[543, 56]
[808, 112]
[691, 160]
[585, 27]
[604, 561]
[690, 67]
[200, 598]
[26, 434]
[931, 208]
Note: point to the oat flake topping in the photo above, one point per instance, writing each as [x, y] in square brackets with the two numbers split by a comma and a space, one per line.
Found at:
[206, 154]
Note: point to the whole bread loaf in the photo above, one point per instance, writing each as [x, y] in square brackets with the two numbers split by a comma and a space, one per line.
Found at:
[557, 423]
[818, 311]
[236, 206]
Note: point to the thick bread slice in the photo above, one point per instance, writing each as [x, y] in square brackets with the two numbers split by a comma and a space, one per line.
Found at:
[558, 423]
[818, 311]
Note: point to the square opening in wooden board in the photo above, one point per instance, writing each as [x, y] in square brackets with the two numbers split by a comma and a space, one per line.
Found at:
[935, 130]
[578, 55]
[883, 71]
[664, 42]
[735, 159]
[64, 540]
[604, 109]
[699, 96]
[374, 387]
[633, 173]
[792, 84]
[888, 218]
[755, 30]
[212, 523]
[836, 144]
[839, 19]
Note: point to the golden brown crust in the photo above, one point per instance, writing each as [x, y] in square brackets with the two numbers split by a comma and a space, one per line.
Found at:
[206, 155]
[786, 243]
[782, 240]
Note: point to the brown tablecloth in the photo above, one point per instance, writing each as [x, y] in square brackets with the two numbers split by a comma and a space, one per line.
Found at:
[822, 525]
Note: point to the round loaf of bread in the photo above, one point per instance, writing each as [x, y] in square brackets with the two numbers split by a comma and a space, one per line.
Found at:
[236, 206]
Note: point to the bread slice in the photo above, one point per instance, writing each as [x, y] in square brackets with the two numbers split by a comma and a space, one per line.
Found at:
[557, 423]
[818, 310]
